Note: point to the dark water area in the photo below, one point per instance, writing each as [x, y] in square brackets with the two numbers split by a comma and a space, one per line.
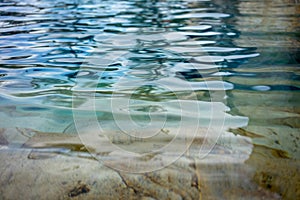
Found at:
[231, 67]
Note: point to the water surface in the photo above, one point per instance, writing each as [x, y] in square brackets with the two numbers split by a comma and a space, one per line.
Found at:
[229, 67]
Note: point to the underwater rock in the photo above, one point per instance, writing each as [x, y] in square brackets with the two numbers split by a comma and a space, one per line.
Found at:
[36, 173]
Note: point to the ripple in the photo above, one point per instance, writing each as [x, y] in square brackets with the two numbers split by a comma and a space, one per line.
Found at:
[261, 87]
[195, 28]
[172, 60]
[49, 47]
[201, 15]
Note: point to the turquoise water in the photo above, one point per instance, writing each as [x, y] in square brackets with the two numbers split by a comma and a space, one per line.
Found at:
[78, 66]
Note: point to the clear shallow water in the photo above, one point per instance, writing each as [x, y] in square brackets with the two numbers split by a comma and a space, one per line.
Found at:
[190, 61]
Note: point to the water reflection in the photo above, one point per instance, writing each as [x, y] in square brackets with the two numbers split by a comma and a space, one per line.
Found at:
[220, 59]
[272, 27]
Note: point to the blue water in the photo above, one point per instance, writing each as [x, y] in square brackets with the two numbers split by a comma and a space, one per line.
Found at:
[229, 64]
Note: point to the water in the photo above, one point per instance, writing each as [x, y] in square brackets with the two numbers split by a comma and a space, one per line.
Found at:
[157, 70]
